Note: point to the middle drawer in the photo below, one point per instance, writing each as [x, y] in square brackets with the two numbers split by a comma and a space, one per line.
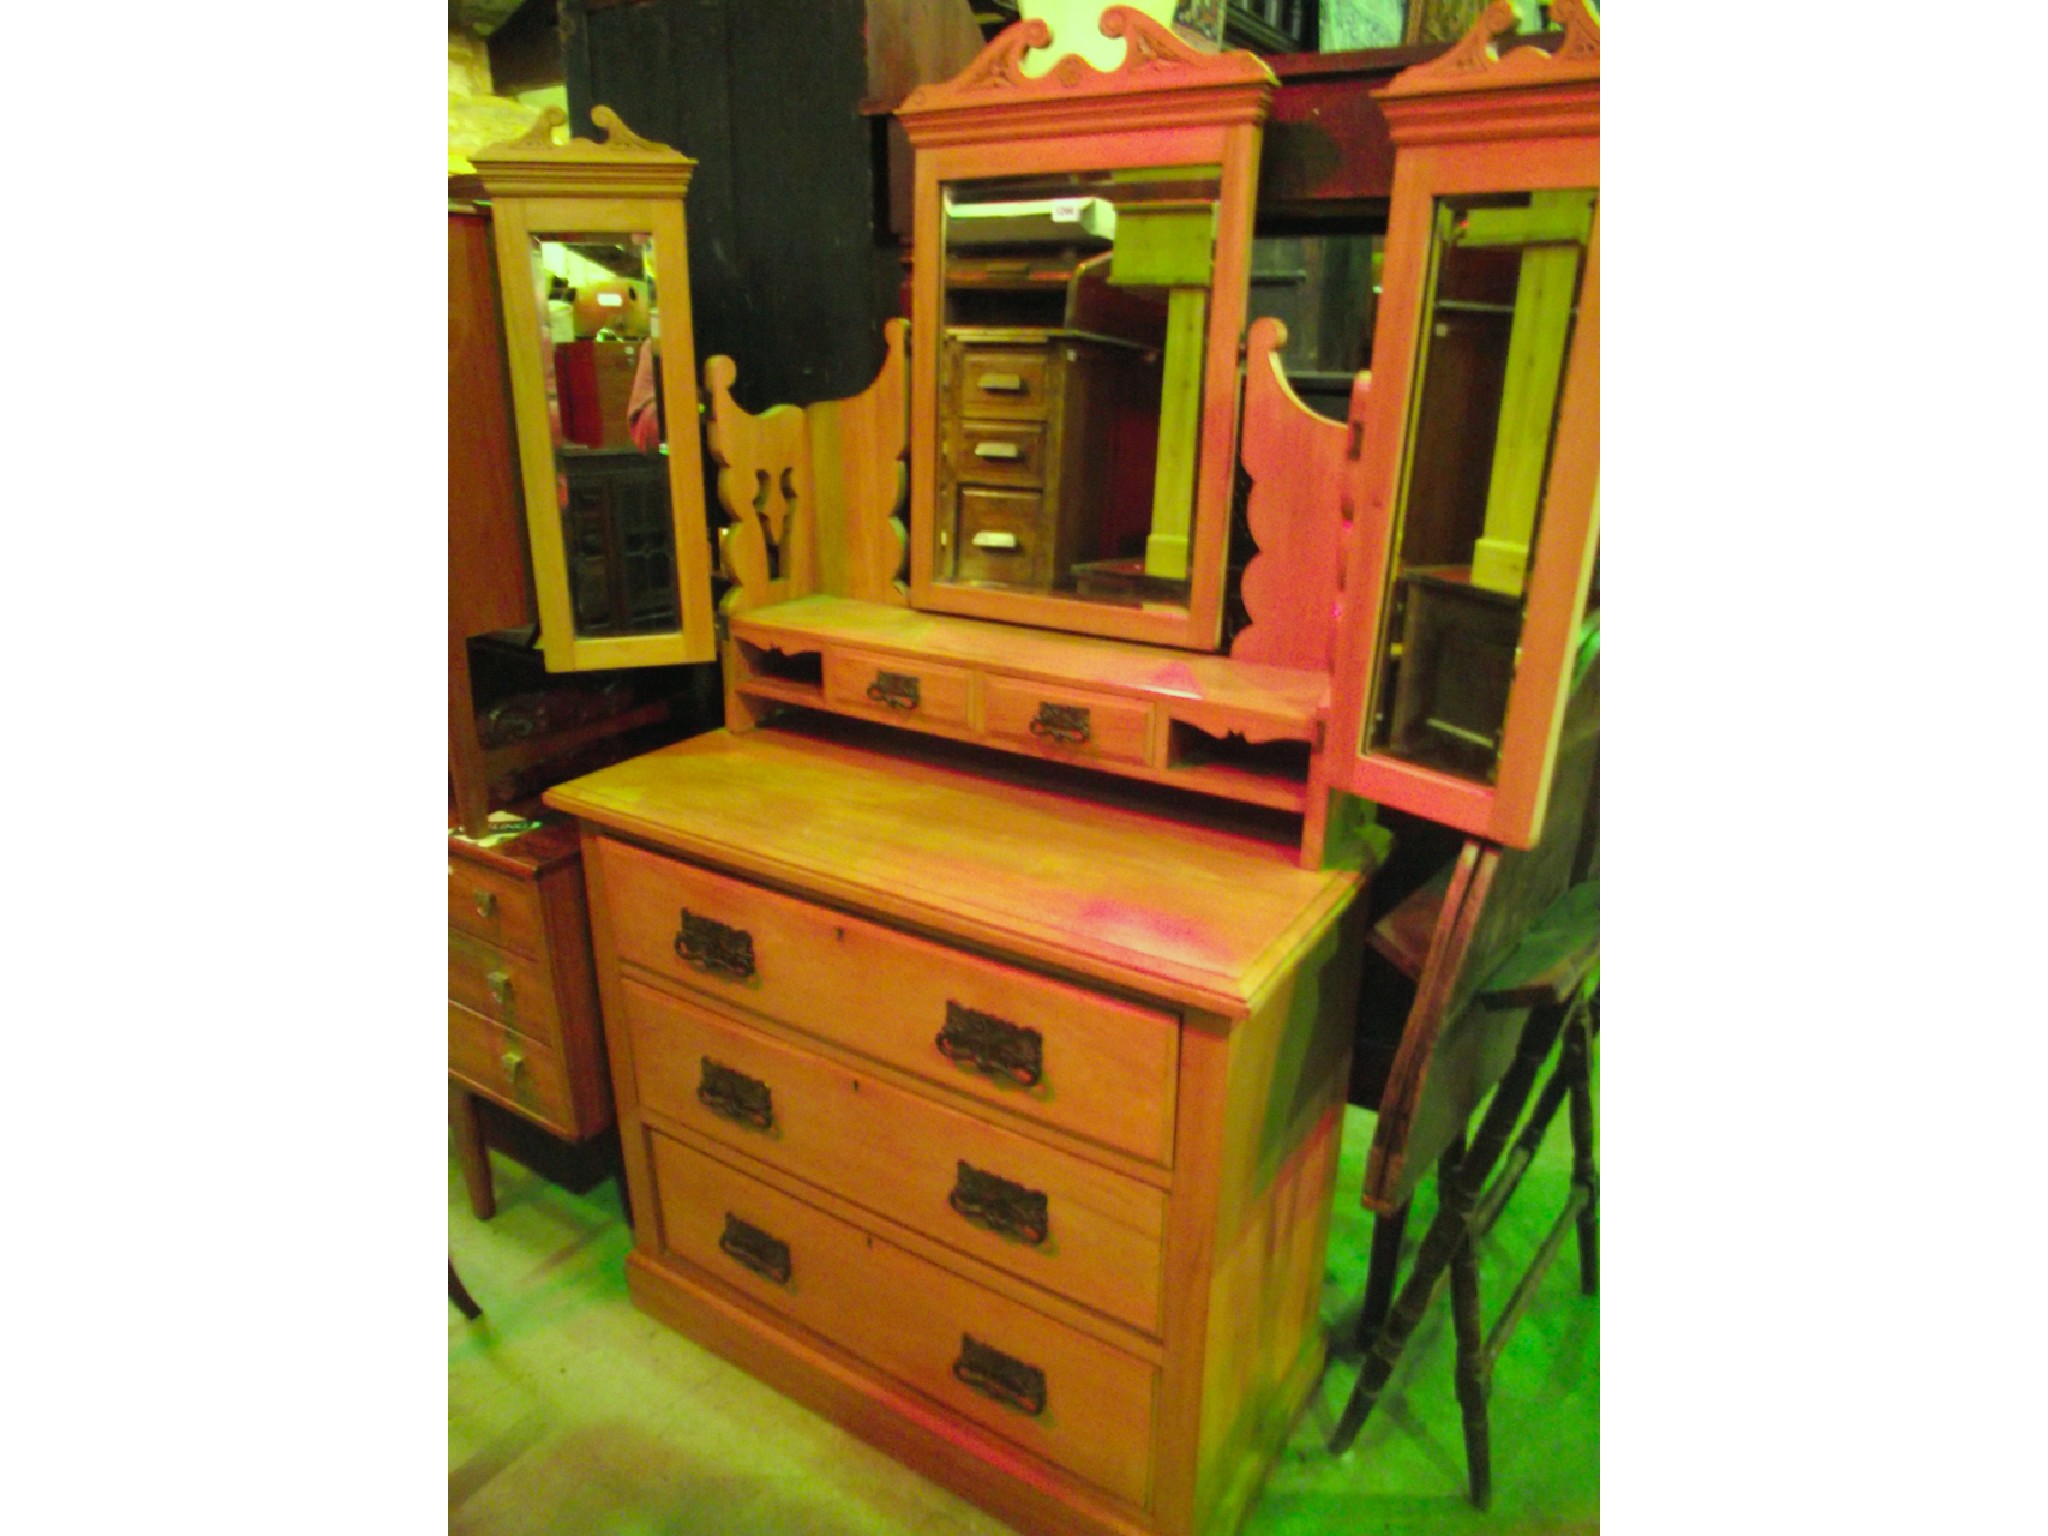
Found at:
[1058, 1054]
[1077, 1229]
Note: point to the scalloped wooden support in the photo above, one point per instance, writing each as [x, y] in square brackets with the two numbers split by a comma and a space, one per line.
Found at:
[814, 490]
[1297, 462]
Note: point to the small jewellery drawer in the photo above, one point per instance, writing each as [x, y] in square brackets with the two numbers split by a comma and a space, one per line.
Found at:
[494, 906]
[1002, 538]
[1059, 1054]
[1046, 1216]
[1064, 722]
[999, 381]
[896, 687]
[511, 1069]
[502, 985]
[1000, 453]
[1076, 1401]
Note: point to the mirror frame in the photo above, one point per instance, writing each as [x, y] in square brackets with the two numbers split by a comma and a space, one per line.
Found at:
[1167, 104]
[1475, 121]
[625, 185]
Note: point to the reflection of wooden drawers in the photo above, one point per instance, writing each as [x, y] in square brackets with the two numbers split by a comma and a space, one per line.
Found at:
[1029, 436]
[998, 1127]
[522, 999]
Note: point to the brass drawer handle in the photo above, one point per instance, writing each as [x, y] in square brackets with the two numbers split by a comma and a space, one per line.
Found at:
[1000, 383]
[736, 1096]
[1064, 723]
[991, 1045]
[486, 903]
[990, 538]
[711, 946]
[898, 690]
[994, 1374]
[992, 1201]
[514, 1064]
[500, 983]
[766, 1256]
[1007, 451]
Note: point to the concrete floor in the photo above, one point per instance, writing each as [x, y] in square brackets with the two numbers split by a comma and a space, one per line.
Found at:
[570, 1412]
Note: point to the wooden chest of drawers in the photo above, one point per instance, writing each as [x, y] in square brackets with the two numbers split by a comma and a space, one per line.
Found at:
[1030, 445]
[523, 1028]
[996, 1125]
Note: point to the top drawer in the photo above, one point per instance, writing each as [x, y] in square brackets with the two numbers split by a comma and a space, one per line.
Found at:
[1058, 1054]
[1003, 381]
[494, 906]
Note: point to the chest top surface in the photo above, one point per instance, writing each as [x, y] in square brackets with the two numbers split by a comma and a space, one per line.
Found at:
[1200, 915]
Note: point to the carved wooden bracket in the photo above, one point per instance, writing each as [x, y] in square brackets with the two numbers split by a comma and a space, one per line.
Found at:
[1297, 462]
[814, 491]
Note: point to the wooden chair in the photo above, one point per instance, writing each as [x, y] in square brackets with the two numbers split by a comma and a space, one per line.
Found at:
[1551, 978]
[1502, 947]
[459, 1294]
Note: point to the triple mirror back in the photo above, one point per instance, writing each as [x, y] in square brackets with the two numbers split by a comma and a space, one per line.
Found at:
[1081, 258]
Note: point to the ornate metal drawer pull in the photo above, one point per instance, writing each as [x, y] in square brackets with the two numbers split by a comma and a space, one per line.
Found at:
[736, 1096]
[994, 1374]
[1064, 723]
[1000, 383]
[711, 946]
[992, 1201]
[500, 983]
[992, 1045]
[766, 1256]
[898, 690]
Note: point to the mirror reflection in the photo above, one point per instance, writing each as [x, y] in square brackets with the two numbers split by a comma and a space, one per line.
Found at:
[1499, 306]
[601, 324]
[1076, 313]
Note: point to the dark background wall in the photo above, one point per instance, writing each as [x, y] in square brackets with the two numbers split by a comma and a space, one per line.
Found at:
[792, 271]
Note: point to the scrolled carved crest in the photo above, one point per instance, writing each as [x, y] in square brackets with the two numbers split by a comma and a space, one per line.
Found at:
[1151, 50]
[1475, 61]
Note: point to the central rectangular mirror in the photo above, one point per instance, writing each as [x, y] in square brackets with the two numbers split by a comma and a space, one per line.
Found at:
[1070, 381]
[1081, 256]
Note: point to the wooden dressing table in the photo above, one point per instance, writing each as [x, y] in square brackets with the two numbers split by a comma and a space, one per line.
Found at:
[980, 1000]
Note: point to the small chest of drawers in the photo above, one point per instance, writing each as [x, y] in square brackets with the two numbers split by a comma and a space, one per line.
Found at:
[1031, 443]
[523, 1024]
[996, 1126]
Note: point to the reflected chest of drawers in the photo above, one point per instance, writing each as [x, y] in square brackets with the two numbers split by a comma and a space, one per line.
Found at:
[995, 1124]
[523, 1026]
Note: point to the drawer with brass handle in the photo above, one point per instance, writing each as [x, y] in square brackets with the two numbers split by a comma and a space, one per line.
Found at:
[517, 1072]
[1002, 381]
[1057, 1054]
[1000, 453]
[1074, 1227]
[494, 906]
[1076, 1401]
[912, 690]
[1068, 723]
[503, 985]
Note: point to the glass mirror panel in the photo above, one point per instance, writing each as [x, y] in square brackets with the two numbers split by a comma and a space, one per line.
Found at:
[1500, 302]
[600, 322]
[1076, 320]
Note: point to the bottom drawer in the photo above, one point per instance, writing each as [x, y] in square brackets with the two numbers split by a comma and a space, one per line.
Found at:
[511, 1069]
[1071, 1399]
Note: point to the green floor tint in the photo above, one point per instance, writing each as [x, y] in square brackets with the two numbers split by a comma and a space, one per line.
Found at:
[569, 1412]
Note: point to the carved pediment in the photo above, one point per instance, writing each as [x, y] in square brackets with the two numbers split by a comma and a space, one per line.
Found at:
[1475, 61]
